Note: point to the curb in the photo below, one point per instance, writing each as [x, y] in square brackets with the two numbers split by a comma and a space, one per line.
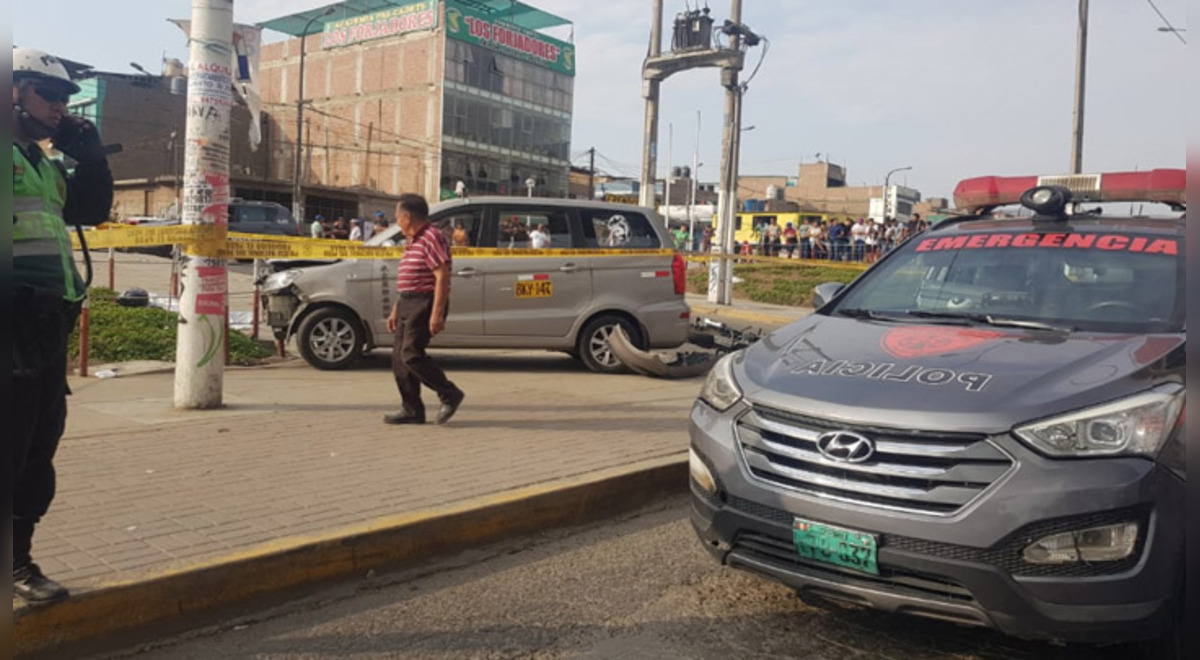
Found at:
[742, 315]
[123, 610]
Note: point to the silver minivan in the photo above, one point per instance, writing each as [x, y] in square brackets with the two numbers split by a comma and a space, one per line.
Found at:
[612, 271]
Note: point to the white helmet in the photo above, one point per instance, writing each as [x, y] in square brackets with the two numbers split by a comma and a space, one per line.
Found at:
[33, 63]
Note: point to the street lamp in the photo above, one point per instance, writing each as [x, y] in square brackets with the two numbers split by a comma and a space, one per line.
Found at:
[297, 199]
[887, 185]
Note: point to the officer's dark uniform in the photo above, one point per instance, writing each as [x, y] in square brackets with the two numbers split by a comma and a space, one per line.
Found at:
[47, 291]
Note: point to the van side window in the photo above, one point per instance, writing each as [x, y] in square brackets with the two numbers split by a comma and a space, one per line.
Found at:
[617, 229]
[542, 230]
[462, 227]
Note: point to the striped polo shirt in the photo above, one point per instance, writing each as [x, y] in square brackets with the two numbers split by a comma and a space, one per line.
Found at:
[429, 249]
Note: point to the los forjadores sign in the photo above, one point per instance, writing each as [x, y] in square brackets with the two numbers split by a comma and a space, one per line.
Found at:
[468, 24]
[381, 24]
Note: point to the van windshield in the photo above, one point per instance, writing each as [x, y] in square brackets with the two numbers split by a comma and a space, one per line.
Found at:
[1098, 281]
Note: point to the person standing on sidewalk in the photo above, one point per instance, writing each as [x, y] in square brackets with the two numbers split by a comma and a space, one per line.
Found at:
[419, 315]
[47, 289]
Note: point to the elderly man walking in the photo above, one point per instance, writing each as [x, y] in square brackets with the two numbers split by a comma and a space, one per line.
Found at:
[422, 301]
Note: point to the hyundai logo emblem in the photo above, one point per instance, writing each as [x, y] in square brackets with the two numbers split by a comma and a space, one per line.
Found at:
[845, 447]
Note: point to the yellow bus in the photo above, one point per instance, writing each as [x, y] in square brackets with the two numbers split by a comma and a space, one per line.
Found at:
[748, 226]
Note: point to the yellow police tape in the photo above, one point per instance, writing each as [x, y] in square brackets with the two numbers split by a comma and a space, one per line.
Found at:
[211, 241]
[214, 241]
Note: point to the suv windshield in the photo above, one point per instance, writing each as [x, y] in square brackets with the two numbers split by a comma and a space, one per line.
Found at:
[1098, 281]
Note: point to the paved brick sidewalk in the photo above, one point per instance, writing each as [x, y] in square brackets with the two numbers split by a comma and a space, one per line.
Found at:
[145, 489]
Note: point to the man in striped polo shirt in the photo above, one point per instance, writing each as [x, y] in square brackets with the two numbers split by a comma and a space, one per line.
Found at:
[423, 286]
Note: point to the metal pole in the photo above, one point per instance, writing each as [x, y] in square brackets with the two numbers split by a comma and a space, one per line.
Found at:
[257, 300]
[1080, 76]
[667, 188]
[692, 192]
[592, 173]
[650, 92]
[199, 357]
[85, 337]
[721, 269]
[297, 189]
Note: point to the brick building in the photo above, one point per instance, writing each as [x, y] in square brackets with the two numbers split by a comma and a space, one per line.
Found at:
[821, 187]
[418, 96]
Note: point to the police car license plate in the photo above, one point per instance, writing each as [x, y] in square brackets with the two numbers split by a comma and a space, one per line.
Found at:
[535, 289]
[835, 545]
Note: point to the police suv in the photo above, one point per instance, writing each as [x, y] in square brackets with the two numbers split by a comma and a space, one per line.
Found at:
[986, 427]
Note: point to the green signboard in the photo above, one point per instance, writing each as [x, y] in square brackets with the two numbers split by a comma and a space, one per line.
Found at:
[469, 24]
[380, 24]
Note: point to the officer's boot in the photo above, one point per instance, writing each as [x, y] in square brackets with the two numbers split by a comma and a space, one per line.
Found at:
[28, 581]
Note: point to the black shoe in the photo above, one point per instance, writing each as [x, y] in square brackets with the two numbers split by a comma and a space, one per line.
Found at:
[450, 407]
[403, 417]
[31, 585]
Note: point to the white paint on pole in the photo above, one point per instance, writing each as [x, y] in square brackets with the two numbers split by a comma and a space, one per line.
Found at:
[200, 350]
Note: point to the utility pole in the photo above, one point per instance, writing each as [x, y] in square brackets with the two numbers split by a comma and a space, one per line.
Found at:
[200, 354]
[1080, 76]
[592, 173]
[650, 92]
[720, 284]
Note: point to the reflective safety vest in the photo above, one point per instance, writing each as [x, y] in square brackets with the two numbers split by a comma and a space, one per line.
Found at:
[42, 253]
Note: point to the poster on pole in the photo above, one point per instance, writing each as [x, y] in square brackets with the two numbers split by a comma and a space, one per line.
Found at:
[247, 47]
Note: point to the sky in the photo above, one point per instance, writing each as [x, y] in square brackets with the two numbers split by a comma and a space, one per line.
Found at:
[952, 88]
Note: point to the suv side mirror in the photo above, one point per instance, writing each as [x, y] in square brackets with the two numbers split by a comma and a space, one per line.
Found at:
[823, 293]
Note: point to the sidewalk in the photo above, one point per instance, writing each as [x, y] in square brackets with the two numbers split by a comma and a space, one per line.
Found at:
[300, 458]
[745, 312]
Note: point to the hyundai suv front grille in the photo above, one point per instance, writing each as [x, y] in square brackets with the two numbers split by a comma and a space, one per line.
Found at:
[928, 472]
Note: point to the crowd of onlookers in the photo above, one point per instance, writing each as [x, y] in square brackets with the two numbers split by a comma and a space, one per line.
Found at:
[355, 229]
[833, 240]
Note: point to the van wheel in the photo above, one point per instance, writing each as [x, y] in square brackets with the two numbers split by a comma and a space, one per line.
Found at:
[330, 338]
[593, 347]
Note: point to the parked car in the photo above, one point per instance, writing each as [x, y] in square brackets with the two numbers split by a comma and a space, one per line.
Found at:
[986, 427]
[569, 302]
[248, 217]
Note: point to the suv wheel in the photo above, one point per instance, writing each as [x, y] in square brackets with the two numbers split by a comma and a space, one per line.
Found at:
[593, 347]
[330, 338]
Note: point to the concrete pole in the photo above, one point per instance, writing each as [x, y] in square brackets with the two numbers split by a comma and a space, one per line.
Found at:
[650, 91]
[200, 354]
[1080, 77]
[721, 270]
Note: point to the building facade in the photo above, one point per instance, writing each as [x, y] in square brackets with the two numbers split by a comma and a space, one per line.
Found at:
[416, 97]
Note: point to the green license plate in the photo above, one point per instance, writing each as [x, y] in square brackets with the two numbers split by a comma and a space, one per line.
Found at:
[835, 545]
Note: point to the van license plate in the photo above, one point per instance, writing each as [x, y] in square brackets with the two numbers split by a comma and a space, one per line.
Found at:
[535, 289]
[835, 545]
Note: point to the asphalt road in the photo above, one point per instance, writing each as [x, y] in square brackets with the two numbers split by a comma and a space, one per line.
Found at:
[638, 587]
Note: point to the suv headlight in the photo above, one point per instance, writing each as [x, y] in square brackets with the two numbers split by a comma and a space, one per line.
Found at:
[1137, 425]
[720, 389]
[276, 282]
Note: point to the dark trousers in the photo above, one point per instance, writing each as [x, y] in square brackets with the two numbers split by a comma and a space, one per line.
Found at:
[41, 324]
[411, 366]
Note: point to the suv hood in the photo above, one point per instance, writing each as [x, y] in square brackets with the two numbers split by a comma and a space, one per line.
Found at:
[938, 376]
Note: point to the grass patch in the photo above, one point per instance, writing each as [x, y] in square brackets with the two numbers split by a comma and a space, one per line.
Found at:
[775, 283]
[125, 334]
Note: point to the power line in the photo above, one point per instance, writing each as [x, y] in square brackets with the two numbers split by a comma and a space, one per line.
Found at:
[1170, 28]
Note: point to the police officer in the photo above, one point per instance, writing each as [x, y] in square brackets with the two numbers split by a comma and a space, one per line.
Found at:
[47, 289]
